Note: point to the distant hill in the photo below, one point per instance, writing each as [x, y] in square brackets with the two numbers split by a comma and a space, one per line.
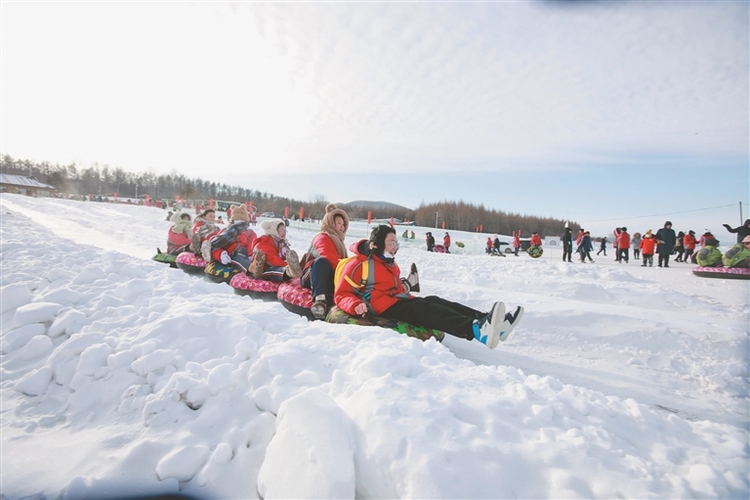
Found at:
[384, 205]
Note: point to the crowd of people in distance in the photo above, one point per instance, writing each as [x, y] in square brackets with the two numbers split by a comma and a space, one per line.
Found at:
[664, 243]
[379, 292]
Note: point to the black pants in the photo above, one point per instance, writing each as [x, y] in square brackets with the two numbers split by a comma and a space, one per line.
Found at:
[437, 313]
[567, 253]
[319, 278]
[624, 254]
[664, 258]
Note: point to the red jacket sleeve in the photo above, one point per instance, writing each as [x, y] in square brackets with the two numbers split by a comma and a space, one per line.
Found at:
[327, 249]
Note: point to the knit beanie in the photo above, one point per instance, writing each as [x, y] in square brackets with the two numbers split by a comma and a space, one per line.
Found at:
[271, 226]
[239, 212]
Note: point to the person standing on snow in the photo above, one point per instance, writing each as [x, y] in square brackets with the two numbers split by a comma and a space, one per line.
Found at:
[742, 231]
[665, 237]
[447, 242]
[430, 241]
[567, 241]
[689, 243]
[635, 243]
[623, 245]
[383, 294]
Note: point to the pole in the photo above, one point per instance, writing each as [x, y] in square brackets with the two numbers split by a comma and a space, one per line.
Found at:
[741, 220]
[436, 220]
[136, 191]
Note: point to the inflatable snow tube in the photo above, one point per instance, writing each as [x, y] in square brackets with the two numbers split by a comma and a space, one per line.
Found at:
[733, 273]
[535, 252]
[255, 288]
[438, 249]
[190, 263]
[459, 244]
[336, 315]
[220, 273]
[165, 258]
[296, 298]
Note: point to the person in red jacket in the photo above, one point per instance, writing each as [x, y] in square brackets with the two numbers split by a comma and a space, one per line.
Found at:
[320, 261]
[516, 242]
[447, 242]
[382, 293]
[689, 244]
[204, 228]
[273, 258]
[648, 245]
[535, 240]
[623, 245]
[234, 244]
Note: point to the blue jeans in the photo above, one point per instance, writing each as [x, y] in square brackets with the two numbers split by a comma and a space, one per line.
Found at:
[319, 278]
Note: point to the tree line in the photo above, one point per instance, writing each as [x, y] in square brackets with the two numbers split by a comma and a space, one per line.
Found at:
[104, 180]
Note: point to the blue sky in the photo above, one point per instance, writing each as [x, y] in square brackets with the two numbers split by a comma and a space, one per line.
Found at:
[597, 112]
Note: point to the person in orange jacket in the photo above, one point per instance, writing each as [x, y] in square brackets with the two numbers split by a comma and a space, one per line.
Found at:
[689, 242]
[382, 293]
[447, 242]
[648, 245]
[273, 258]
[623, 245]
[535, 240]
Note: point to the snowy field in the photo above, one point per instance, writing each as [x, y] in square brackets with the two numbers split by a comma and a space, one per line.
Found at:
[122, 377]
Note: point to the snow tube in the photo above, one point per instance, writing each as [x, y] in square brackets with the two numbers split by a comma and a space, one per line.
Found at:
[255, 288]
[190, 263]
[459, 244]
[438, 249]
[296, 298]
[535, 252]
[165, 258]
[734, 273]
[336, 315]
[220, 273]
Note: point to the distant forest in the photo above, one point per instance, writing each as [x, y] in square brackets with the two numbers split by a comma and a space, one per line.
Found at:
[105, 180]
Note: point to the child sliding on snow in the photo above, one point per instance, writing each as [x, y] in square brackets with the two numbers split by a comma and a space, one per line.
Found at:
[382, 293]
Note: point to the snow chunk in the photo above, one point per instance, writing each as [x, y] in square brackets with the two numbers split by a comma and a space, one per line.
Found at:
[62, 296]
[312, 453]
[37, 347]
[20, 337]
[14, 296]
[183, 463]
[35, 383]
[153, 361]
[93, 358]
[36, 312]
[63, 321]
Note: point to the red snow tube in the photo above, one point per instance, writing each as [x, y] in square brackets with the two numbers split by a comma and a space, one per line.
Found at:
[255, 288]
[296, 298]
[735, 273]
[438, 249]
[176, 243]
[190, 263]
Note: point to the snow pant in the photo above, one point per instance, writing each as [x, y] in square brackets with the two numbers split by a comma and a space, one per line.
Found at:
[567, 253]
[624, 255]
[602, 249]
[584, 255]
[663, 259]
[319, 278]
[275, 273]
[516, 251]
[688, 254]
[636, 253]
[648, 260]
[447, 248]
[241, 258]
[434, 312]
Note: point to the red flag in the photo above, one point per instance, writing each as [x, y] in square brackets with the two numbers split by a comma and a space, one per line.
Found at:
[391, 221]
[369, 216]
[301, 212]
[481, 228]
[286, 211]
[443, 224]
[211, 203]
[251, 207]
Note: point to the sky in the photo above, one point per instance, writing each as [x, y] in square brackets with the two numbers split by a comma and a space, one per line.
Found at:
[604, 113]
[123, 378]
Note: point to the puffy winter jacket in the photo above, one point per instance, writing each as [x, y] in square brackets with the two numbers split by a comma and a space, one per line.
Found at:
[386, 276]
[624, 241]
[272, 248]
[648, 245]
[689, 242]
[322, 246]
[236, 235]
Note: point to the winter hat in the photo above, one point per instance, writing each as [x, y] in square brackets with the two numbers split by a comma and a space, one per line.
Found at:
[239, 212]
[377, 238]
[185, 216]
[329, 219]
[625, 229]
[649, 234]
[271, 226]
[668, 223]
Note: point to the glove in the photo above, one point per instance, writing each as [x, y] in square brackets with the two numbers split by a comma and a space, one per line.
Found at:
[225, 258]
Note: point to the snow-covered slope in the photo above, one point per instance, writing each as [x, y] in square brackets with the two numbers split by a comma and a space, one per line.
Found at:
[121, 376]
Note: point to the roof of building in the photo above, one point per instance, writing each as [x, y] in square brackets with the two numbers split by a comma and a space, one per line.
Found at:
[22, 180]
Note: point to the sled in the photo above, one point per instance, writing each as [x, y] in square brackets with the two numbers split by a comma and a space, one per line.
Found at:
[220, 273]
[735, 273]
[438, 249]
[535, 252]
[296, 298]
[337, 316]
[165, 258]
[190, 263]
[255, 288]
